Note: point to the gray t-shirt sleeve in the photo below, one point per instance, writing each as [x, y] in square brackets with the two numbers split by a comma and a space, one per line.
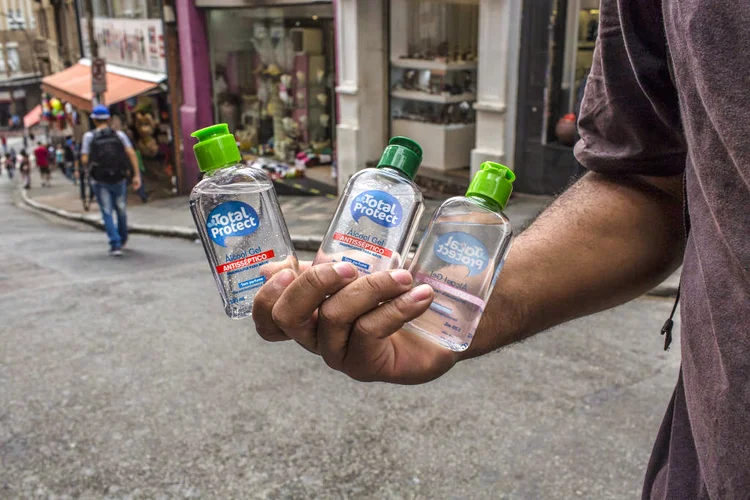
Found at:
[86, 143]
[629, 120]
[125, 139]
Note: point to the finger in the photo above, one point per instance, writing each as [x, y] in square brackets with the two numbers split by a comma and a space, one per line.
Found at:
[269, 269]
[263, 304]
[369, 348]
[294, 311]
[338, 314]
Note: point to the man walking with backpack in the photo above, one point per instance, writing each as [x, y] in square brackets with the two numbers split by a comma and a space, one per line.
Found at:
[110, 159]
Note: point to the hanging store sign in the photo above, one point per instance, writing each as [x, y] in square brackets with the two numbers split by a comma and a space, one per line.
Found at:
[133, 43]
[98, 76]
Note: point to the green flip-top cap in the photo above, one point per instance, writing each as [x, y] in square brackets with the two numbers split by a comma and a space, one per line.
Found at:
[402, 154]
[216, 147]
[493, 181]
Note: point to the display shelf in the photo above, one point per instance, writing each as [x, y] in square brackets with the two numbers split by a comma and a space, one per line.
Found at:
[445, 147]
[433, 65]
[416, 95]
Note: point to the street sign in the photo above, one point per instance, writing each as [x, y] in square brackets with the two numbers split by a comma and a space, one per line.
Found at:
[98, 76]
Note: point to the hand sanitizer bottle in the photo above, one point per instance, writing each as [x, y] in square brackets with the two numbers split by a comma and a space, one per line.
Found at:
[239, 221]
[461, 255]
[376, 219]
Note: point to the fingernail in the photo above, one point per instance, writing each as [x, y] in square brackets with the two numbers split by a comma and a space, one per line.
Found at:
[345, 270]
[401, 276]
[283, 279]
[421, 292]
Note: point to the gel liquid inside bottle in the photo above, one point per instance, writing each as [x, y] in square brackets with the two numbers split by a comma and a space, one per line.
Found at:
[461, 255]
[239, 221]
[376, 219]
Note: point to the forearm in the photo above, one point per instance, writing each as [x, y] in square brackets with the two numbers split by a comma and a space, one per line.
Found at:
[602, 243]
[134, 163]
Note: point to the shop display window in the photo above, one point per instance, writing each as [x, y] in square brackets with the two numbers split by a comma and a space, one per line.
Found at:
[574, 27]
[433, 77]
[273, 81]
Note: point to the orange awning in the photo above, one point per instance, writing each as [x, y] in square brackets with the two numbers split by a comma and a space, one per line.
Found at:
[33, 117]
[74, 86]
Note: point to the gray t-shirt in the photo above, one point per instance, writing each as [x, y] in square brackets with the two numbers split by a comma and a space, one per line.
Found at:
[634, 120]
[88, 137]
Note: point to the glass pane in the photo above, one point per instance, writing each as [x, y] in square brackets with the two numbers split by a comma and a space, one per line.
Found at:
[433, 77]
[273, 80]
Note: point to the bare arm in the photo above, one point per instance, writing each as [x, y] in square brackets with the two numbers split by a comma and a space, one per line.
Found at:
[603, 242]
[136, 168]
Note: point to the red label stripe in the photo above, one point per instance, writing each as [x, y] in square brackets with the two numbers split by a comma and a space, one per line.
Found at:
[244, 262]
[364, 245]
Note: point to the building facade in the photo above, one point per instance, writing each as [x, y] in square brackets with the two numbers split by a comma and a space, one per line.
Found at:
[470, 80]
[19, 67]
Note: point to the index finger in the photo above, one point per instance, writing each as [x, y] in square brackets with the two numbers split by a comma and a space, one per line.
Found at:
[295, 309]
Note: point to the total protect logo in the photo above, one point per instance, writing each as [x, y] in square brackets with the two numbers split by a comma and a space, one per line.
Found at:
[231, 218]
[378, 206]
[462, 249]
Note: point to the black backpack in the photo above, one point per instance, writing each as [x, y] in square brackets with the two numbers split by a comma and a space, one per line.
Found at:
[108, 161]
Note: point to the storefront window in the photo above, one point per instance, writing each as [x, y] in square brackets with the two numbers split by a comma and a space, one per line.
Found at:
[273, 81]
[573, 31]
[434, 77]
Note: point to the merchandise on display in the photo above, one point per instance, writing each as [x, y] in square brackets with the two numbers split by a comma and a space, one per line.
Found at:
[277, 87]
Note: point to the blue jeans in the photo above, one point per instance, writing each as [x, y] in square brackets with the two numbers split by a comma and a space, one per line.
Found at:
[112, 198]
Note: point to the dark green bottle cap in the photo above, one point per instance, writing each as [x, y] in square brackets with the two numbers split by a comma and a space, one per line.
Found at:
[403, 154]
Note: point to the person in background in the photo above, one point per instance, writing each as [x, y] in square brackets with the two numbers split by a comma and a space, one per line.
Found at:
[4, 141]
[109, 157]
[60, 159]
[10, 165]
[141, 167]
[69, 157]
[42, 162]
[25, 168]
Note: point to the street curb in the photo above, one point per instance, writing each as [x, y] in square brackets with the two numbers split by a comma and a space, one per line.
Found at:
[310, 243]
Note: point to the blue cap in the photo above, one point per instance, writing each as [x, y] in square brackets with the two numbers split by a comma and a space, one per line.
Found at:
[100, 112]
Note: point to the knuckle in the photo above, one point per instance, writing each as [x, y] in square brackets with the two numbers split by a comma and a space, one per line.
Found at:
[280, 317]
[400, 307]
[366, 329]
[328, 313]
[315, 277]
[376, 284]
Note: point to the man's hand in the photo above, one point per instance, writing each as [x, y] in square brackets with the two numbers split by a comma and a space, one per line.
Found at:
[136, 183]
[353, 323]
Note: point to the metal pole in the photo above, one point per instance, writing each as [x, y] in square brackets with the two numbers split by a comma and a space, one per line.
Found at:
[93, 45]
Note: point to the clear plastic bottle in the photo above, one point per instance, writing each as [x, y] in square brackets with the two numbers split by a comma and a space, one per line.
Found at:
[376, 219]
[239, 221]
[461, 255]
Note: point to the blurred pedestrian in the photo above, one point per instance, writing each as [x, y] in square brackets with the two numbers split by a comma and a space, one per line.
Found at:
[24, 166]
[69, 157]
[4, 141]
[60, 159]
[110, 157]
[10, 165]
[41, 155]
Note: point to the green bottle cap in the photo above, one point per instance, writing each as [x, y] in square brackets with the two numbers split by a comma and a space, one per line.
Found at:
[216, 148]
[403, 154]
[494, 182]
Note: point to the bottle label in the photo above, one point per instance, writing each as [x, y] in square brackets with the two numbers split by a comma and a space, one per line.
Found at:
[380, 207]
[231, 218]
[462, 249]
